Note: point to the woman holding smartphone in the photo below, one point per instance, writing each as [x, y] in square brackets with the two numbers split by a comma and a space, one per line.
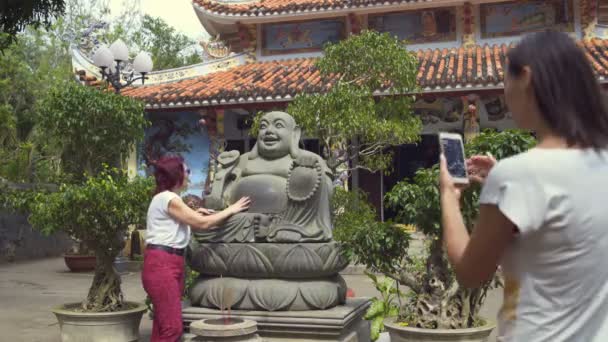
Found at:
[543, 214]
[168, 233]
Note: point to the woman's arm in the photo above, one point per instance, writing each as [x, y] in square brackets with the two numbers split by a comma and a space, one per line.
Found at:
[474, 258]
[182, 213]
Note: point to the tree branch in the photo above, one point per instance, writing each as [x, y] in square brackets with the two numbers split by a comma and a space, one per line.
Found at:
[407, 279]
[451, 292]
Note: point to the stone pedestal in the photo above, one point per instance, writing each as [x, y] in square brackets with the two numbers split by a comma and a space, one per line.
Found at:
[343, 323]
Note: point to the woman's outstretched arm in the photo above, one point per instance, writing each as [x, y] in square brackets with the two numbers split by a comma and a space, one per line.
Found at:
[182, 213]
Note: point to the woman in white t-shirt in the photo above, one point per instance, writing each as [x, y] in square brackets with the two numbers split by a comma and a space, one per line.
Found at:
[542, 213]
[168, 234]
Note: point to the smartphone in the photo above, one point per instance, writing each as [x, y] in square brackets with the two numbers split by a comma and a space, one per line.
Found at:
[453, 148]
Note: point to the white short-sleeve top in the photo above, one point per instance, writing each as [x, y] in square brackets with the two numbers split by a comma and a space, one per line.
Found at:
[161, 228]
[556, 279]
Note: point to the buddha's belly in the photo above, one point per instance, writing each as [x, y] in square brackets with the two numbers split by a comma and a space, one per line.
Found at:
[267, 193]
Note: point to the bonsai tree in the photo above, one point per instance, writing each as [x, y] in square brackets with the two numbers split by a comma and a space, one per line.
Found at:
[437, 300]
[98, 213]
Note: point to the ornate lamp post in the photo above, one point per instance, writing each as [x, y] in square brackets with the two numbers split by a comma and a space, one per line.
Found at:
[112, 62]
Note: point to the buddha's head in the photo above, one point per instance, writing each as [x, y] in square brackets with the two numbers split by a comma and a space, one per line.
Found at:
[278, 136]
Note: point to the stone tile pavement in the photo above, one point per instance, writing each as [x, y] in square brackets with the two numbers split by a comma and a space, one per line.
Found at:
[28, 290]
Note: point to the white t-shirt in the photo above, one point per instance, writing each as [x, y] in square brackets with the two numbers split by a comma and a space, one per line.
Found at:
[161, 228]
[556, 279]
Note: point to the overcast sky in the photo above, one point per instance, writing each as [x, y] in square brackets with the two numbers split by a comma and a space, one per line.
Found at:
[177, 13]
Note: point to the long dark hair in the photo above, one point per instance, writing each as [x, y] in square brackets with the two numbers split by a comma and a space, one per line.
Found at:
[169, 172]
[567, 92]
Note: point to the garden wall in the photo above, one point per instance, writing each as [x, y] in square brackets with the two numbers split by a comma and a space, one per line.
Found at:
[19, 241]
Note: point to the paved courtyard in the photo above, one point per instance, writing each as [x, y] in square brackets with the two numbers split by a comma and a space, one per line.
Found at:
[28, 291]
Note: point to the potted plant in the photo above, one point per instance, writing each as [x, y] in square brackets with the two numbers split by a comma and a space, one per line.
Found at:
[437, 307]
[79, 258]
[96, 131]
[98, 213]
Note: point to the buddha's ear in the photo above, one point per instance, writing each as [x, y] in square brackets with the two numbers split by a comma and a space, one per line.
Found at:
[294, 149]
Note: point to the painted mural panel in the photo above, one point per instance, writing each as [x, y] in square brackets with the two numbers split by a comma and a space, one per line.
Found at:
[305, 36]
[518, 17]
[416, 27]
[434, 111]
[178, 133]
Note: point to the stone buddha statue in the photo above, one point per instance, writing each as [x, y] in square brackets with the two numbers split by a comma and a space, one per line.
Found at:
[290, 189]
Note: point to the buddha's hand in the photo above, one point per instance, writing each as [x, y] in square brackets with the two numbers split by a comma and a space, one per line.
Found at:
[228, 158]
[307, 160]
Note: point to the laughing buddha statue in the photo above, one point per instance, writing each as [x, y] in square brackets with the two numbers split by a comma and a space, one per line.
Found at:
[290, 189]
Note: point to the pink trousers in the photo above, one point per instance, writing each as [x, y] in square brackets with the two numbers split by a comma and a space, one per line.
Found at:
[163, 280]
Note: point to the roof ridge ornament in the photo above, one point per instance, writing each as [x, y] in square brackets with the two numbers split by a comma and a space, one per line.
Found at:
[215, 48]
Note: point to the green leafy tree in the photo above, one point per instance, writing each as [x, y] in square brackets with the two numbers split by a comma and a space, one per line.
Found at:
[97, 213]
[41, 57]
[95, 127]
[15, 16]
[351, 122]
[168, 48]
[438, 300]
[27, 68]
[363, 239]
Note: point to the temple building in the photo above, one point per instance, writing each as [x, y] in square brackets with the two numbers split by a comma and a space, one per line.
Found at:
[263, 54]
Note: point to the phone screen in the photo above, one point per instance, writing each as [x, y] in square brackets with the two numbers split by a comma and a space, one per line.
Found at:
[453, 151]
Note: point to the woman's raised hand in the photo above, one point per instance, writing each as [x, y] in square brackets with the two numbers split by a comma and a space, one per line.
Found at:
[479, 167]
[240, 205]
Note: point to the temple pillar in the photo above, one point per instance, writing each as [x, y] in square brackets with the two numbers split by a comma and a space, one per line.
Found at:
[470, 128]
[588, 10]
[355, 22]
[468, 27]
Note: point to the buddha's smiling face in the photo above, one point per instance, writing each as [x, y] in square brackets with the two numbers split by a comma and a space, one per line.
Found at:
[276, 135]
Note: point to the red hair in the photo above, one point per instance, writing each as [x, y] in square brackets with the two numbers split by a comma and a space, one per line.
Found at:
[169, 172]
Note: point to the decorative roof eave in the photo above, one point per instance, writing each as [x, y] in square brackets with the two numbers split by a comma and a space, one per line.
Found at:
[288, 98]
[81, 62]
[318, 11]
[259, 100]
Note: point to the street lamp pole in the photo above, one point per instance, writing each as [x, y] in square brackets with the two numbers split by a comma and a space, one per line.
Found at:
[111, 61]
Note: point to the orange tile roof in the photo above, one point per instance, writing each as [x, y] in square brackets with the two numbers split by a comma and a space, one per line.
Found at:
[279, 7]
[440, 70]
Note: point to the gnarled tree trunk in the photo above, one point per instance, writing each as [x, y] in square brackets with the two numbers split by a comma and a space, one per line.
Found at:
[105, 293]
[441, 303]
